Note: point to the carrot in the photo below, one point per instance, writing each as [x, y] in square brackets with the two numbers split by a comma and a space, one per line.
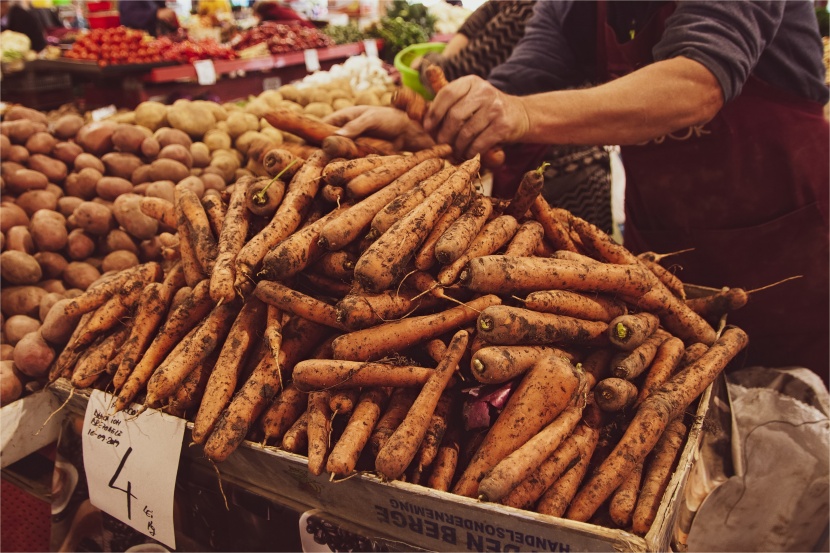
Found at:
[202, 239]
[335, 289]
[409, 101]
[397, 407]
[656, 477]
[109, 315]
[297, 251]
[302, 339]
[286, 408]
[295, 438]
[318, 431]
[630, 365]
[104, 288]
[526, 240]
[428, 449]
[436, 349]
[494, 364]
[592, 307]
[505, 325]
[339, 172]
[225, 374]
[402, 446]
[666, 360]
[492, 237]
[66, 359]
[527, 492]
[159, 209]
[194, 272]
[342, 402]
[263, 196]
[297, 303]
[190, 393]
[232, 238]
[654, 414]
[332, 194]
[356, 311]
[517, 466]
[191, 350]
[379, 341]
[324, 374]
[669, 279]
[370, 145]
[555, 500]
[692, 353]
[458, 237]
[615, 394]
[544, 392]
[385, 259]
[714, 306]
[336, 265]
[373, 180]
[215, 209]
[630, 330]
[310, 130]
[526, 193]
[446, 460]
[600, 245]
[622, 503]
[555, 231]
[345, 453]
[280, 160]
[298, 197]
[407, 201]
[337, 146]
[348, 225]
[94, 360]
[597, 365]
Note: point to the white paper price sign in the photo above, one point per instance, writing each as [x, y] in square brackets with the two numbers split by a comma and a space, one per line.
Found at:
[205, 72]
[312, 61]
[131, 461]
[370, 45]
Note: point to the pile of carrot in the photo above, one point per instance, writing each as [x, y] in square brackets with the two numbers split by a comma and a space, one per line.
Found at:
[349, 321]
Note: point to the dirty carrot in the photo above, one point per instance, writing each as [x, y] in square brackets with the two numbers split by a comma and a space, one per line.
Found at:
[666, 360]
[527, 239]
[318, 430]
[592, 307]
[651, 419]
[446, 459]
[295, 438]
[345, 453]
[456, 239]
[280, 160]
[496, 364]
[632, 364]
[555, 231]
[615, 394]
[398, 405]
[342, 402]
[425, 256]
[339, 172]
[201, 236]
[714, 306]
[102, 290]
[506, 325]
[189, 394]
[337, 146]
[297, 303]
[319, 374]
[428, 449]
[622, 503]
[216, 210]
[529, 188]
[263, 196]
[373, 180]
[632, 329]
[402, 446]
[409, 101]
[407, 201]
[555, 500]
[94, 360]
[233, 237]
[110, 314]
[669, 279]
[492, 237]
[159, 209]
[381, 340]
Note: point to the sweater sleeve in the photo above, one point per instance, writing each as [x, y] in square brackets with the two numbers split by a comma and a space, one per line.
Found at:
[477, 20]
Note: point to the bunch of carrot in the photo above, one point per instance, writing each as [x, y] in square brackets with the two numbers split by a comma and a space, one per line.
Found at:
[346, 322]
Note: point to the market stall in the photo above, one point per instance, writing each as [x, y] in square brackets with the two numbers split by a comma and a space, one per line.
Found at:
[228, 327]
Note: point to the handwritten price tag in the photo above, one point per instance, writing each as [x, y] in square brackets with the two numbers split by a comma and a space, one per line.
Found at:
[312, 61]
[131, 461]
[205, 72]
[370, 45]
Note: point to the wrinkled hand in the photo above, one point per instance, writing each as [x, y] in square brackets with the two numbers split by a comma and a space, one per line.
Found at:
[381, 122]
[473, 116]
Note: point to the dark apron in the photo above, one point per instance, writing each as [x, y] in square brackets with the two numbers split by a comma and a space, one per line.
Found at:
[749, 192]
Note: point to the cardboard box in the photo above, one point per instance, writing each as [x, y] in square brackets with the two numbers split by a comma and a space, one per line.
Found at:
[429, 519]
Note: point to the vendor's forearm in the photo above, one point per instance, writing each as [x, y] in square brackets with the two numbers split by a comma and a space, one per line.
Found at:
[651, 102]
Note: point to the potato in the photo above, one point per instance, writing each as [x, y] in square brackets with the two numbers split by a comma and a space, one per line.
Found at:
[67, 126]
[191, 118]
[12, 215]
[243, 142]
[80, 274]
[271, 97]
[68, 204]
[34, 200]
[200, 153]
[128, 138]
[152, 115]
[161, 189]
[220, 126]
[33, 355]
[51, 264]
[213, 181]
[118, 260]
[85, 160]
[80, 245]
[18, 267]
[21, 300]
[54, 169]
[258, 107]
[367, 98]
[11, 386]
[274, 135]
[9, 168]
[127, 211]
[55, 190]
[47, 302]
[6, 352]
[194, 184]
[341, 103]
[94, 218]
[289, 92]
[118, 239]
[48, 229]
[21, 112]
[150, 147]
[53, 285]
[26, 179]
[227, 165]
[121, 164]
[168, 169]
[16, 153]
[96, 137]
[218, 111]
[318, 109]
[41, 143]
[110, 188]
[57, 327]
[17, 326]
[217, 140]
[237, 123]
[83, 183]
[177, 152]
[168, 135]
[19, 131]
[20, 239]
[67, 152]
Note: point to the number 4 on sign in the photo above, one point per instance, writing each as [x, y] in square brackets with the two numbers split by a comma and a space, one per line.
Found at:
[131, 463]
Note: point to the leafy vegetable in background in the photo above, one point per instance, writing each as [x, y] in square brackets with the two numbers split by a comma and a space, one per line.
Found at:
[345, 34]
[412, 13]
[402, 26]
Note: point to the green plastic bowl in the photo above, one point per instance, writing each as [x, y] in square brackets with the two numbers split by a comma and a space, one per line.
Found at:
[410, 77]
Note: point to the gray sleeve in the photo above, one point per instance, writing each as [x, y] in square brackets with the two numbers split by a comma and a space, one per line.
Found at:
[728, 37]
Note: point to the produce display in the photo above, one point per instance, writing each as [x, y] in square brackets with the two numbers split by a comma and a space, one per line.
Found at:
[282, 37]
[245, 268]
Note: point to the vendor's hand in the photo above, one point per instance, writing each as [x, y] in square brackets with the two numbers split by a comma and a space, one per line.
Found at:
[381, 122]
[472, 116]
